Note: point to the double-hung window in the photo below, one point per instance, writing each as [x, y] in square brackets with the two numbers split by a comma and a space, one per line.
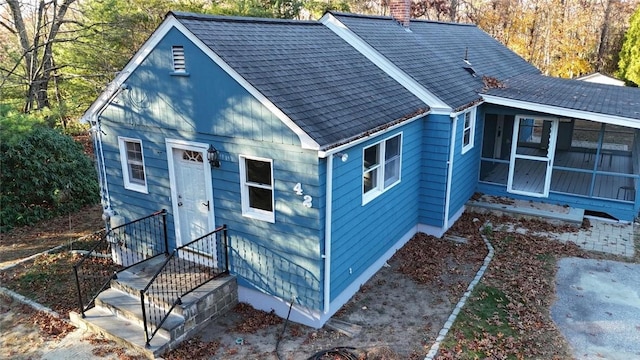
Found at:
[381, 167]
[132, 160]
[469, 130]
[256, 177]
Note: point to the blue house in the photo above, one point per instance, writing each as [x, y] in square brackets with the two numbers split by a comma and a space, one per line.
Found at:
[325, 146]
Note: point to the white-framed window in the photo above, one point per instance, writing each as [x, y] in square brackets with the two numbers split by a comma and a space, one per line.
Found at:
[132, 160]
[179, 64]
[468, 133]
[381, 167]
[256, 181]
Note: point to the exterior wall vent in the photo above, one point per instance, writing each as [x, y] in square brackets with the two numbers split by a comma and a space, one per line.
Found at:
[179, 65]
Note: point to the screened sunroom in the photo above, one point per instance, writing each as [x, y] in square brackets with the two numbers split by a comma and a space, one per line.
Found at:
[563, 141]
[566, 156]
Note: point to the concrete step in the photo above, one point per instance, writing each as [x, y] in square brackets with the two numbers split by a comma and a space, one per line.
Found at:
[118, 315]
[128, 306]
[554, 214]
[123, 331]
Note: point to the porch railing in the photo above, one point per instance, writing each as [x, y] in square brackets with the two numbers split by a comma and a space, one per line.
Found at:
[187, 268]
[118, 249]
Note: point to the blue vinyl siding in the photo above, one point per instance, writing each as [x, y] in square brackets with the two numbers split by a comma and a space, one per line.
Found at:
[436, 136]
[362, 233]
[208, 106]
[465, 166]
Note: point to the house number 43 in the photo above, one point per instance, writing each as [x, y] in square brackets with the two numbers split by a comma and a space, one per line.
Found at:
[307, 199]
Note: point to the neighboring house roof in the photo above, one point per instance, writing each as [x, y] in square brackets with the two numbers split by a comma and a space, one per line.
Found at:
[598, 102]
[433, 54]
[599, 78]
[324, 85]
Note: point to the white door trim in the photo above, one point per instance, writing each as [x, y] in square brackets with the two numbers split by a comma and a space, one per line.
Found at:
[547, 159]
[193, 146]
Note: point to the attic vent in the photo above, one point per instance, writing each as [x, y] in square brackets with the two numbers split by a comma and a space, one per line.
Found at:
[178, 59]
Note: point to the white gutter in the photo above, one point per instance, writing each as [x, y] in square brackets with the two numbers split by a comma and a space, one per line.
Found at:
[452, 149]
[327, 235]
[457, 113]
[566, 112]
[326, 153]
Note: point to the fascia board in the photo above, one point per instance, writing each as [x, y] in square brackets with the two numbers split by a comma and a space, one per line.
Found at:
[436, 105]
[114, 86]
[326, 153]
[171, 22]
[565, 112]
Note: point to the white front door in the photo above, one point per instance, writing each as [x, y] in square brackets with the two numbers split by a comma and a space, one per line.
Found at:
[190, 176]
[532, 151]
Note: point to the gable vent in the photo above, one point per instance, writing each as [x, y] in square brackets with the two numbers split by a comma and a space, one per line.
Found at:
[178, 59]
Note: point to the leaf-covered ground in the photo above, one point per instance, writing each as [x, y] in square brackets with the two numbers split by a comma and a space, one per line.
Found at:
[29, 240]
[507, 317]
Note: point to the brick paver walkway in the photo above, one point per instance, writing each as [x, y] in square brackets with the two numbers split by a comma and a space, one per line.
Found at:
[609, 237]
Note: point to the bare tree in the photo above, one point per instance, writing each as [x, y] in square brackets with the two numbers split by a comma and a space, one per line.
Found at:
[36, 46]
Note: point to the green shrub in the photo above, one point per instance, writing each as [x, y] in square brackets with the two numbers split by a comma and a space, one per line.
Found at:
[43, 173]
[14, 125]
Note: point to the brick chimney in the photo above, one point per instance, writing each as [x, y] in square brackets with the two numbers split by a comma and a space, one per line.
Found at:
[401, 11]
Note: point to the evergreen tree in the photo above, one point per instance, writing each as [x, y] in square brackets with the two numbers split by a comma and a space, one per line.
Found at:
[629, 65]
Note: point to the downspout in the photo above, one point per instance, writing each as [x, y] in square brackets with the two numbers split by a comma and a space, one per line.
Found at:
[107, 212]
[327, 234]
[452, 148]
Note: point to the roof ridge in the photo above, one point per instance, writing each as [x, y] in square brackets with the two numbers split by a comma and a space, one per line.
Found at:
[412, 20]
[241, 19]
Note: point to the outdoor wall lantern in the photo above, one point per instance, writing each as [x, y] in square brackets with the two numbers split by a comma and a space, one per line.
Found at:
[342, 156]
[213, 156]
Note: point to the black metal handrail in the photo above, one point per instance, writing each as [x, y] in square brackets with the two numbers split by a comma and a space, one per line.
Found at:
[187, 268]
[119, 249]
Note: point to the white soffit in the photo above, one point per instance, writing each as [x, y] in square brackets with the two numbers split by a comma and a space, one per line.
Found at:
[564, 112]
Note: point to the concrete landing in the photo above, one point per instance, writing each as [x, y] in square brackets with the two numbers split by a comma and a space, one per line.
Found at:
[554, 214]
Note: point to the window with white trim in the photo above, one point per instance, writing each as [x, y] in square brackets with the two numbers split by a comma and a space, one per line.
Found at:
[468, 134]
[256, 181]
[179, 64]
[381, 167]
[132, 160]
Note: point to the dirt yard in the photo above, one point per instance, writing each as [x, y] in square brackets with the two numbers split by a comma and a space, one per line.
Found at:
[29, 240]
[396, 315]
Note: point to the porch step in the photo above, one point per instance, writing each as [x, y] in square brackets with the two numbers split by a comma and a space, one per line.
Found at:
[131, 284]
[117, 314]
[554, 214]
[123, 331]
[128, 307]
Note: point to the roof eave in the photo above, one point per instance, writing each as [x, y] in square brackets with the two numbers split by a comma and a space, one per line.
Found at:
[92, 114]
[339, 146]
[562, 111]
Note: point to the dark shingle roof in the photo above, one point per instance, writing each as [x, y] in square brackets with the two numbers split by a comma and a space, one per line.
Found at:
[572, 94]
[433, 54]
[319, 81]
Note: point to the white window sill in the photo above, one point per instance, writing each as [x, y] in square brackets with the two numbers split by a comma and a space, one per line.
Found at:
[135, 187]
[259, 215]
